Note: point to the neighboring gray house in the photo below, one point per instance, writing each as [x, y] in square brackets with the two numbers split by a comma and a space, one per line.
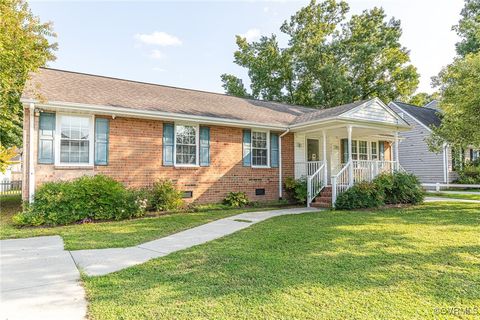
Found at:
[415, 156]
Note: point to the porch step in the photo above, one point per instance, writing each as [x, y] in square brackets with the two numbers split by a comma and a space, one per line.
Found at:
[324, 199]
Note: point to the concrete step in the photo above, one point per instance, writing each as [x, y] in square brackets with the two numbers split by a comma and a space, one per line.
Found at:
[321, 205]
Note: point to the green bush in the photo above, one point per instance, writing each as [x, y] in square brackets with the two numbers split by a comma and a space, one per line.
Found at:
[236, 199]
[83, 199]
[165, 196]
[400, 187]
[297, 189]
[361, 195]
[469, 174]
[386, 188]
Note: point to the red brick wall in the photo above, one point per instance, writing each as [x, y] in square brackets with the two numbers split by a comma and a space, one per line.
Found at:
[135, 159]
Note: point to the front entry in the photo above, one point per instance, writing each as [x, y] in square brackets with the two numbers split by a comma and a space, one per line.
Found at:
[313, 150]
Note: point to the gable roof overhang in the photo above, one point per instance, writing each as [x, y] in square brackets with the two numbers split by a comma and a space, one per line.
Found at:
[347, 118]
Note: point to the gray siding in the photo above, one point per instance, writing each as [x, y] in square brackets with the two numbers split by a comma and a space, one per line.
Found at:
[414, 154]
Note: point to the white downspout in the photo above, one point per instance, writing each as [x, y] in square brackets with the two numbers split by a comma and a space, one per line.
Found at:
[397, 155]
[280, 163]
[445, 163]
[31, 167]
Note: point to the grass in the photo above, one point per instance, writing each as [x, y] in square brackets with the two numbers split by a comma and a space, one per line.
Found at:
[111, 234]
[382, 264]
[456, 195]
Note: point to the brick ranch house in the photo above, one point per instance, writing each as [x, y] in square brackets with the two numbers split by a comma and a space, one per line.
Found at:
[209, 144]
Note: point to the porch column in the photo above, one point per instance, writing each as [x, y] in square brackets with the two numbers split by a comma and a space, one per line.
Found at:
[325, 171]
[350, 170]
[397, 161]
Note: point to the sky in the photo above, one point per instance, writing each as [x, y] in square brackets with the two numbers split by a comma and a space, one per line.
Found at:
[190, 44]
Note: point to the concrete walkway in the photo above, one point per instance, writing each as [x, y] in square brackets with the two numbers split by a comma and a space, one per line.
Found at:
[103, 261]
[444, 199]
[39, 280]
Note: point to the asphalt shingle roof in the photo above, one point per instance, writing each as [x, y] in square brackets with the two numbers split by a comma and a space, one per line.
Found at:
[54, 85]
[427, 116]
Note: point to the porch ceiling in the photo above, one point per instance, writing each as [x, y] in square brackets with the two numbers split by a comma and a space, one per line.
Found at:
[339, 130]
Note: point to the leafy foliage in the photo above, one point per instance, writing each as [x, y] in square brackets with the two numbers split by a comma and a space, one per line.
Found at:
[469, 173]
[361, 195]
[328, 61]
[236, 199]
[165, 196]
[460, 88]
[468, 28]
[422, 98]
[386, 188]
[25, 46]
[6, 155]
[399, 188]
[86, 198]
[297, 189]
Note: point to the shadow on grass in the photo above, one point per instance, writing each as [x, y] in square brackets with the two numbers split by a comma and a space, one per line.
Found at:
[429, 251]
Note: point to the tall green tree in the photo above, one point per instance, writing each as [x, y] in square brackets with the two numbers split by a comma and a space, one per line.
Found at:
[328, 60]
[422, 98]
[459, 85]
[468, 28]
[24, 47]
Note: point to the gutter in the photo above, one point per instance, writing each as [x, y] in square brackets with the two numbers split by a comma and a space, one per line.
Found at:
[149, 114]
[280, 163]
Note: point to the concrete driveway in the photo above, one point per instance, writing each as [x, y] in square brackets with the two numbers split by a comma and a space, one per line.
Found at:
[39, 280]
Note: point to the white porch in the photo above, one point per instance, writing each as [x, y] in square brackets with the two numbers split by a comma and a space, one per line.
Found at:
[349, 149]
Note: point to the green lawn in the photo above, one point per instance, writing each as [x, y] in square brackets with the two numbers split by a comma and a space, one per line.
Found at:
[456, 195]
[382, 264]
[110, 234]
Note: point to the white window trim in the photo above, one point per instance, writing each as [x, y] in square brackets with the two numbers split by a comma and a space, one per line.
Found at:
[197, 145]
[268, 148]
[91, 139]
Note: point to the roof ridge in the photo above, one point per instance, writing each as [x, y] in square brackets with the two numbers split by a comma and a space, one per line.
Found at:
[175, 87]
[408, 104]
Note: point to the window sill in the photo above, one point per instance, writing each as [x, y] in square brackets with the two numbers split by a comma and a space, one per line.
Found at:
[186, 166]
[74, 167]
[261, 167]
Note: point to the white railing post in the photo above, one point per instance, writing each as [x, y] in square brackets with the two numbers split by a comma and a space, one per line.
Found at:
[309, 191]
[334, 190]
[437, 187]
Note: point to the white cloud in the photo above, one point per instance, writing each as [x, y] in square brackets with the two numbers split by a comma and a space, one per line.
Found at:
[251, 34]
[158, 69]
[159, 38]
[157, 54]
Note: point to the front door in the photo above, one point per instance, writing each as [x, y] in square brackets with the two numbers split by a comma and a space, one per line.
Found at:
[312, 150]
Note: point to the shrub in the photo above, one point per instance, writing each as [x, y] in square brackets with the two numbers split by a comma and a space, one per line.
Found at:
[165, 196]
[86, 198]
[297, 189]
[361, 195]
[469, 174]
[400, 187]
[236, 199]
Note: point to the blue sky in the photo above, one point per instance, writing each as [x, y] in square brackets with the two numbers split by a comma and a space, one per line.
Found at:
[189, 44]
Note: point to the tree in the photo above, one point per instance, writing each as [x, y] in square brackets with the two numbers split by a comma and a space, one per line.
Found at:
[6, 156]
[422, 98]
[468, 28]
[459, 85]
[328, 60]
[24, 47]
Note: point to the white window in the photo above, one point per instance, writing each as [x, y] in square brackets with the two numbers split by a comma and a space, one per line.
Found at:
[74, 140]
[362, 150]
[186, 145]
[374, 150]
[260, 148]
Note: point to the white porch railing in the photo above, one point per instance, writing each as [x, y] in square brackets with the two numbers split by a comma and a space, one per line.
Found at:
[305, 169]
[315, 183]
[362, 170]
[341, 182]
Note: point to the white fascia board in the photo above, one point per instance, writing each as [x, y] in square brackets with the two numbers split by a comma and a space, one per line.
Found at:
[147, 114]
